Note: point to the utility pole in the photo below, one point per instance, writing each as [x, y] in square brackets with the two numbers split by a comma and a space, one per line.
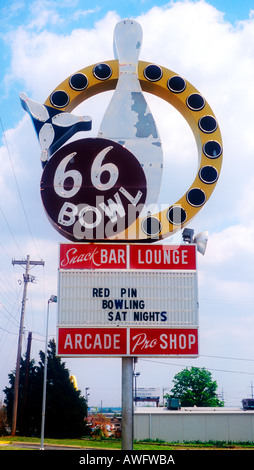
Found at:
[24, 401]
[127, 403]
[26, 278]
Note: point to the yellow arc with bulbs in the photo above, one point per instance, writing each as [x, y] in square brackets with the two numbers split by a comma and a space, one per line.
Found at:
[183, 96]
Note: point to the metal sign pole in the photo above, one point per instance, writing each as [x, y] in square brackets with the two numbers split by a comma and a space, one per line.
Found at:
[127, 403]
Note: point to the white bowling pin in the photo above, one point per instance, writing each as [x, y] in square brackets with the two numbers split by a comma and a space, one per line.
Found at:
[128, 119]
[37, 110]
[69, 123]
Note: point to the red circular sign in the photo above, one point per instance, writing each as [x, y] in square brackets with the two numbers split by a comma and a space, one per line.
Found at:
[93, 189]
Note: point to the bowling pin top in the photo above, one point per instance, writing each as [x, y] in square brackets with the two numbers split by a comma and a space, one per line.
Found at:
[128, 119]
[127, 42]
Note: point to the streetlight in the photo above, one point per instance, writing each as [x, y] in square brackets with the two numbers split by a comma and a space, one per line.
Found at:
[200, 239]
[136, 375]
[87, 395]
[53, 298]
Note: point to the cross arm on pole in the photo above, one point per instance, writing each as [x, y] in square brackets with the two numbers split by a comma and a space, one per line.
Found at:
[31, 263]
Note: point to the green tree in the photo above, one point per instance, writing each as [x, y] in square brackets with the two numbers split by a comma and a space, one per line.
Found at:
[3, 420]
[66, 409]
[28, 419]
[195, 387]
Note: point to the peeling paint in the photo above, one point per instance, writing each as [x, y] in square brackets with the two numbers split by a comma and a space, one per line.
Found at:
[158, 144]
[145, 124]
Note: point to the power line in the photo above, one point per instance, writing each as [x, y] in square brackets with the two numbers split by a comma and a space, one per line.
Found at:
[7, 331]
[10, 314]
[18, 190]
[226, 357]
[3, 248]
[187, 365]
[11, 232]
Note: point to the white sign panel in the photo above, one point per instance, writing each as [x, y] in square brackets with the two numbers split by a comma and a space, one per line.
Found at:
[148, 392]
[127, 298]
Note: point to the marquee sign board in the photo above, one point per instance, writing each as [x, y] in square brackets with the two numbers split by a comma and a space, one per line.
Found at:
[120, 300]
[123, 299]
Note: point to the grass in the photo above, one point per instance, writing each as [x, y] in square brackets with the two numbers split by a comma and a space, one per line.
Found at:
[113, 444]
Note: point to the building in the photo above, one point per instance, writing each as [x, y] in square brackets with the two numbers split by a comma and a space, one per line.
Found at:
[194, 424]
[108, 422]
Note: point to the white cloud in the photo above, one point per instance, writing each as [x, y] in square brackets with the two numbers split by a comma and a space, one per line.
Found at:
[83, 13]
[230, 244]
[42, 60]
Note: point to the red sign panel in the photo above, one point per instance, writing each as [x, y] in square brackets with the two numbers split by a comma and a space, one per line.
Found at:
[163, 257]
[127, 342]
[91, 256]
[114, 256]
[160, 341]
[92, 341]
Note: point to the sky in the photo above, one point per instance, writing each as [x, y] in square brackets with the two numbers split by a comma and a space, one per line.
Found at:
[211, 44]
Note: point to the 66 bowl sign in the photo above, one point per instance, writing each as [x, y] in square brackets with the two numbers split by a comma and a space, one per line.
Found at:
[87, 193]
[107, 187]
